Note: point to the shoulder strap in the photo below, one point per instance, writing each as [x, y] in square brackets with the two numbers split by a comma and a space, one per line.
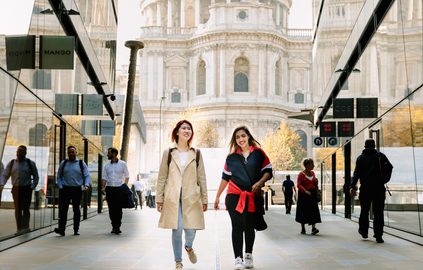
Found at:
[169, 156]
[197, 156]
[82, 172]
[28, 161]
[63, 166]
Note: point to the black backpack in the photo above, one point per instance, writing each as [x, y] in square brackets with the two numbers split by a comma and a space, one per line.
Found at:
[169, 156]
[385, 168]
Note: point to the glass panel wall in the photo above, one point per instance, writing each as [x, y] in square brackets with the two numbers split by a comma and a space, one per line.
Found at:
[391, 69]
[28, 117]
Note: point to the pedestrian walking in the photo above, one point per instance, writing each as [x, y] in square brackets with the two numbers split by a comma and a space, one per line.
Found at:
[288, 188]
[115, 174]
[368, 170]
[24, 174]
[138, 188]
[181, 194]
[246, 170]
[73, 179]
[307, 205]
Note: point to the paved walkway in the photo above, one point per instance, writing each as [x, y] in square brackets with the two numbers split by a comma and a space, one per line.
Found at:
[144, 246]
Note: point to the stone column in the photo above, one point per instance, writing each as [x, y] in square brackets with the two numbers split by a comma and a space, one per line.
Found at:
[222, 72]
[126, 124]
[197, 13]
[169, 14]
[182, 12]
[159, 15]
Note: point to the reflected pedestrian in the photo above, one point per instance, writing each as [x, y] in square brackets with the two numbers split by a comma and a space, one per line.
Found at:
[73, 179]
[288, 188]
[24, 174]
[138, 188]
[307, 206]
[372, 189]
[182, 192]
[246, 170]
[115, 174]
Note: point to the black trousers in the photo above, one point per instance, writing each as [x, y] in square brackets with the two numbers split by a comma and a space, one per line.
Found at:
[377, 200]
[288, 203]
[139, 194]
[115, 208]
[242, 226]
[22, 200]
[69, 195]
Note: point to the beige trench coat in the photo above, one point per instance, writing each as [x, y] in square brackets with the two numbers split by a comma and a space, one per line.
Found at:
[194, 191]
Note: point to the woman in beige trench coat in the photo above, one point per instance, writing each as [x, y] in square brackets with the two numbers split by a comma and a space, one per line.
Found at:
[181, 193]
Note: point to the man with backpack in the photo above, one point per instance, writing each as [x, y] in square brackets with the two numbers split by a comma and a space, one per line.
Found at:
[374, 170]
[72, 179]
[24, 174]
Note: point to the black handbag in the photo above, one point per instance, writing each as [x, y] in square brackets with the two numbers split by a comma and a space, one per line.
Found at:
[259, 222]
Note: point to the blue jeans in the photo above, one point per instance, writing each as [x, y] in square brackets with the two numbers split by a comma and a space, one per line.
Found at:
[177, 237]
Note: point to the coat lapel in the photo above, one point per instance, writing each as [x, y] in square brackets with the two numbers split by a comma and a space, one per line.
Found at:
[176, 159]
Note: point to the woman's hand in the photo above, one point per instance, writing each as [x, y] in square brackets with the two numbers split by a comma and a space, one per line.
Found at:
[308, 192]
[205, 207]
[159, 206]
[257, 186]
[216, 203]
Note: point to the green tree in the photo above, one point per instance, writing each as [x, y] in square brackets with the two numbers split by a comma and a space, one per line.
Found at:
[284, 149]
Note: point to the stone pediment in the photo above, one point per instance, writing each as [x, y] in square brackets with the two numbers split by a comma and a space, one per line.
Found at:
[175, 60]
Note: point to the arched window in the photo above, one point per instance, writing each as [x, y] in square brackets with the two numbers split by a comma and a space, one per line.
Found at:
[201, 78]
[38, 135]
[176, 97]
[303, 139]
[41, 79]
[241, 71]
[277, 79]
[299, 98]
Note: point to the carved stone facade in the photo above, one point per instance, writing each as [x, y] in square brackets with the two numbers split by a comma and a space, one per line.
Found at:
[231, 62]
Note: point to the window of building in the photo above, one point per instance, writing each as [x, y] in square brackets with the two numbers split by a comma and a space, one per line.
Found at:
[175, 97]
[41, 79]
[38, 135]
[299, 98]
[303, 139]
[201, 78]
[345, 85]
[277, 79]
[241, 75]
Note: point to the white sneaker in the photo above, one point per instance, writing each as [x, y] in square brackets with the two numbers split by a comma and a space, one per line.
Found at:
[248, 261]
[239, 265]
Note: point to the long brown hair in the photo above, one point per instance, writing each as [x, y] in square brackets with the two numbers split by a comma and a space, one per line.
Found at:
[176, 128]
[233, 147]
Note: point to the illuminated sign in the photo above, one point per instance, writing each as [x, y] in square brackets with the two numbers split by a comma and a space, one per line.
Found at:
[345, 129]
[328, 129]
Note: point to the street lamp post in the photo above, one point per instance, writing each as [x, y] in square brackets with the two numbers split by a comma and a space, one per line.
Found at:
[160, 126]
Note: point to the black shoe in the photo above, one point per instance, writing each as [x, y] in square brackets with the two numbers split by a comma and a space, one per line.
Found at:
[58, 231]
[75, 233]
[379, 239]
[363, 234]
[116, 231]
[303, 231]
[314, 231]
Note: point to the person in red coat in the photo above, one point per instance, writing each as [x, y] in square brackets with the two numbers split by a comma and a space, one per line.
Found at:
[307, 206]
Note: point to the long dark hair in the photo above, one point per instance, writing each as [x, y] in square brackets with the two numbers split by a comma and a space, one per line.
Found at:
[176, 128]
[233, 147]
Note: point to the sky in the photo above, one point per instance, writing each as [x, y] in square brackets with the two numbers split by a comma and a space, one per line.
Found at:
[16, 23]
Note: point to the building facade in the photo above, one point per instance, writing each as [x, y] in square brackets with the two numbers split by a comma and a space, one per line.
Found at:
[227, 63]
